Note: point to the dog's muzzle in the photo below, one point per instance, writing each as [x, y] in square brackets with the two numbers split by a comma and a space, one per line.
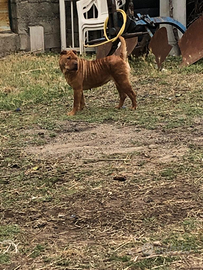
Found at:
[73, 67]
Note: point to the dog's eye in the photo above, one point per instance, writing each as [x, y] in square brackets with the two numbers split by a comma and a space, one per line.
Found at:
[68, 57]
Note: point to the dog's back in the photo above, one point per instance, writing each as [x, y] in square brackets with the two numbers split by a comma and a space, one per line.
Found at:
[100, 71]
[94, 73]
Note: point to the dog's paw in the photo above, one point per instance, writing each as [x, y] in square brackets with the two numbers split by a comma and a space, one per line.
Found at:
[71, 113]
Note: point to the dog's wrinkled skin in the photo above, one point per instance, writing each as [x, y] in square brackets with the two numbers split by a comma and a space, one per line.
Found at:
[82, 74]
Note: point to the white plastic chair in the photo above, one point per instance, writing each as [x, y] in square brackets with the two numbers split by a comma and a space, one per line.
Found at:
[90, 24]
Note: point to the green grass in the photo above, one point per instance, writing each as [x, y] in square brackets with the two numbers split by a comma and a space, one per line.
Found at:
[8, 234]
[8, 231]
[186, 243]
[4, 258]
[29, 82]
[37, 251]
[35, 85]
[159, 262]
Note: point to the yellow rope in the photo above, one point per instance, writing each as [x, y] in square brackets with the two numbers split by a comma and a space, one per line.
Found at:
[105, 27]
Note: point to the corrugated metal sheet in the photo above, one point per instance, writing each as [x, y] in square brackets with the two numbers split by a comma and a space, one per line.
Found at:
[4, 16]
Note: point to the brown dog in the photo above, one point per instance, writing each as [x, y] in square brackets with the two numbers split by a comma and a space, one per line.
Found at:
[82, 74]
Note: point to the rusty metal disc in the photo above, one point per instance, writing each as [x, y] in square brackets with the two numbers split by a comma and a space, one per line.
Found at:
[159, 46]
[103, 50]
[191, 43]
[130, 45]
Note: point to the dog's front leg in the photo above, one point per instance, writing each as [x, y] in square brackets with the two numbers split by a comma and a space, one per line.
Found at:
[78, 94]
[82, 102]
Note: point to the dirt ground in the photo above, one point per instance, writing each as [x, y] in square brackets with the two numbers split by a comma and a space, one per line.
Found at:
[113, 194]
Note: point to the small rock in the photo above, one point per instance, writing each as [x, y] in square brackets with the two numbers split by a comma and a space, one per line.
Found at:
[120, 178]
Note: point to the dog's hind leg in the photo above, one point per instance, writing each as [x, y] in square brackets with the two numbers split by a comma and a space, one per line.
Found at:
[131, 94]
[121, 79]
[125, 89]
[122, 96]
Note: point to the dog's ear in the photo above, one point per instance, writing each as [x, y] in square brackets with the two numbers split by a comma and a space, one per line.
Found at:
[74, 51]
[63, 52]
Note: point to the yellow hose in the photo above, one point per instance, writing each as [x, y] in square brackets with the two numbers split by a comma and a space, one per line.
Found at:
[105, 27]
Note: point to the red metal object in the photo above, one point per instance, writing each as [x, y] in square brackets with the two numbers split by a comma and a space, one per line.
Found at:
[191, 43]
[103, 50]
[159, 46]
[130, 45]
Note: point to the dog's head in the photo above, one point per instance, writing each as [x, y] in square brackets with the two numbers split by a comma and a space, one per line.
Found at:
[68, 61]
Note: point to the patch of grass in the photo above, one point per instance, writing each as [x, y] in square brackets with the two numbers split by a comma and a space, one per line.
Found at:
[189, 224]
[41, 88]
[63, 262]
[29, 82]
[37, 251]
[120, 258]
[168, 174]
[161, 263]
[8, 231]
[4, 258]
[197, 68]
[184, 242]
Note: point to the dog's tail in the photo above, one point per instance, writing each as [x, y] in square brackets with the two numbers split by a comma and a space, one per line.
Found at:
[122, 49]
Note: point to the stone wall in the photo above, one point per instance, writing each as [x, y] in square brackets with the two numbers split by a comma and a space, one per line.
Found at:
[9, 42]
[26, 13]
